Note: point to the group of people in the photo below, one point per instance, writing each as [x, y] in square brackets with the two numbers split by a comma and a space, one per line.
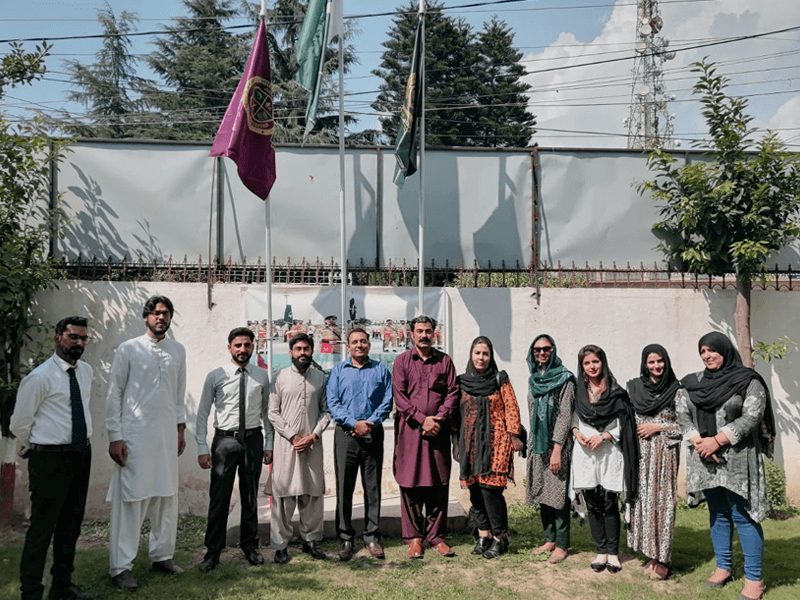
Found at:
[589, 441]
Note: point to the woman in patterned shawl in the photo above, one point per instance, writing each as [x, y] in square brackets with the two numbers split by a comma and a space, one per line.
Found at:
[729, 424]
[551, 394]
[488, 438]
[654, 395]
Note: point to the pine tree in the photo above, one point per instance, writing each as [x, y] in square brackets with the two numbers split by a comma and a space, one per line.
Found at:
[104, 87]
[503, 119]
[464, 72]
[202, 62]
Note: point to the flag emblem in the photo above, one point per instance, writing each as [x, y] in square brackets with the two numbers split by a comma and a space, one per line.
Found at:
[257, 100]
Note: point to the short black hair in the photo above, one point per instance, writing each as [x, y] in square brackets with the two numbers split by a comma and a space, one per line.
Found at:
[239, 331]
[154, 301]
[301, 337]
[422, 319]
[356, 330]
[61, 326]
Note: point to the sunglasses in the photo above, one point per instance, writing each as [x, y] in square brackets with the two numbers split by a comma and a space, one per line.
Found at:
[544, 350]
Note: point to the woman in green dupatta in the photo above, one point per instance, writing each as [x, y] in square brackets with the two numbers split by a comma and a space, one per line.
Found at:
[551, 396]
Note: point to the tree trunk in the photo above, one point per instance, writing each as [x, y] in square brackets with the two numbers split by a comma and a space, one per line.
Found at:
[741, 318]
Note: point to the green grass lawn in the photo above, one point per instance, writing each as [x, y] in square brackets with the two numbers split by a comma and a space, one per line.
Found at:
[514, 575]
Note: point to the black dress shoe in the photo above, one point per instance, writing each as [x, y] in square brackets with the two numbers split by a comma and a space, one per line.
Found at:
[482, 545]
[281, 556]
[254, 557]
[68, 592]
[209, 564]
[167, 566]
[314, 550]
[346, 550]
[125, 580]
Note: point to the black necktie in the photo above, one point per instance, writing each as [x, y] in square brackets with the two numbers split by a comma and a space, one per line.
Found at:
[78, 418]
[242, 402]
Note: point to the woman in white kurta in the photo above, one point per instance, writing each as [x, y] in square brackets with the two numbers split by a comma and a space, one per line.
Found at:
[602, 463]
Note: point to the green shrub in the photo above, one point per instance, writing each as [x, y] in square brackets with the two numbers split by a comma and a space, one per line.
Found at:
[776, 486]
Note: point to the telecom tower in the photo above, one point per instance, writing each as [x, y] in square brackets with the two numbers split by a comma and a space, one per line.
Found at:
[649, 125]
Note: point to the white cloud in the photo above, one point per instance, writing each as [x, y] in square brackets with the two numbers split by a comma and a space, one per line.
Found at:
[596, 98]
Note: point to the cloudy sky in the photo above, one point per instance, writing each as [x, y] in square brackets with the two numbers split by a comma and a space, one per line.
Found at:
[576, 106]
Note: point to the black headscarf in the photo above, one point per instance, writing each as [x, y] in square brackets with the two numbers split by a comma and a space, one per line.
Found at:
[709, 390]
[647, 397]
[613, 403]
[476, 445]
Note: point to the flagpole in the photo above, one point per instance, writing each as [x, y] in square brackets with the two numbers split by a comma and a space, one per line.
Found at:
[343, 242]
[421, 242]
[268, 250]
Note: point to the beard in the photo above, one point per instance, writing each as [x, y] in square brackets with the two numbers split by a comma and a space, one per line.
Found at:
[302, 363]
[158, 328]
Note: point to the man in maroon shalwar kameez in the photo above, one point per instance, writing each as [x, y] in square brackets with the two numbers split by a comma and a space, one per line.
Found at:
[426, 394]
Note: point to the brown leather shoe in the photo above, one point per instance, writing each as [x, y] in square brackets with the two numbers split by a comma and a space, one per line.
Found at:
[376, 550]
[445, 550]
[415, 548]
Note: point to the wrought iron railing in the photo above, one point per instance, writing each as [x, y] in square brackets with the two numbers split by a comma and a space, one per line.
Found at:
[405, 273]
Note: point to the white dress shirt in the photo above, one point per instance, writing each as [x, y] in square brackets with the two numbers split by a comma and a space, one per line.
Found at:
[221, 389]
[43, 413]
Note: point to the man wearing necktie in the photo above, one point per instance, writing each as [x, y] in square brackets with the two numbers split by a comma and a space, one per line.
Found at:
[239, 392]
[53, 423]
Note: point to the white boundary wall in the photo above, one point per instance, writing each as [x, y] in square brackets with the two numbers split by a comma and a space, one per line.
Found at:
[622, 321]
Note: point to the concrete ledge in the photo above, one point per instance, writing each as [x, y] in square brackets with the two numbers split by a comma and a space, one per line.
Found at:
[390, 518]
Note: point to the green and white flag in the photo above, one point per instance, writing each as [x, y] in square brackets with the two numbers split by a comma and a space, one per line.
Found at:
[315, 35]
[407, 142]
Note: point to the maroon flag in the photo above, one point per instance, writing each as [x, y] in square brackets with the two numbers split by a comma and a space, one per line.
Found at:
[245, 135]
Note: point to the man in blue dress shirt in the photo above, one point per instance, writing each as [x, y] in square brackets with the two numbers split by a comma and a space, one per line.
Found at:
[359, 398]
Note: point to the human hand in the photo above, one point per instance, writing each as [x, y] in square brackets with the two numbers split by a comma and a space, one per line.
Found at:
[431, 426]
[303, 443]
[23, 452]
[707, 447]
[516, 443]
[118, 452]
[581, 439]
[555, 459]
[204, 460]
[181, 439]
[594, 442]
[362, 428]
[645, 430]
[267, 457]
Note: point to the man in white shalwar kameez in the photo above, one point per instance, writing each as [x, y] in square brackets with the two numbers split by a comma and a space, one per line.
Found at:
[298, 410]
[145, 418]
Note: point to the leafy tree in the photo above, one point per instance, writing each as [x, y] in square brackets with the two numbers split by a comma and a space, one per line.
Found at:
[202, 62]
[473, 92]
[503, 119]
[27, 156]
[728, 215]
[103, 86]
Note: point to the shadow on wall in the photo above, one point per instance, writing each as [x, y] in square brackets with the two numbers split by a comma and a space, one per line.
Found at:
[501, 224]
[362, 240]
[94, 226]
[442, 211]
[491, 309]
